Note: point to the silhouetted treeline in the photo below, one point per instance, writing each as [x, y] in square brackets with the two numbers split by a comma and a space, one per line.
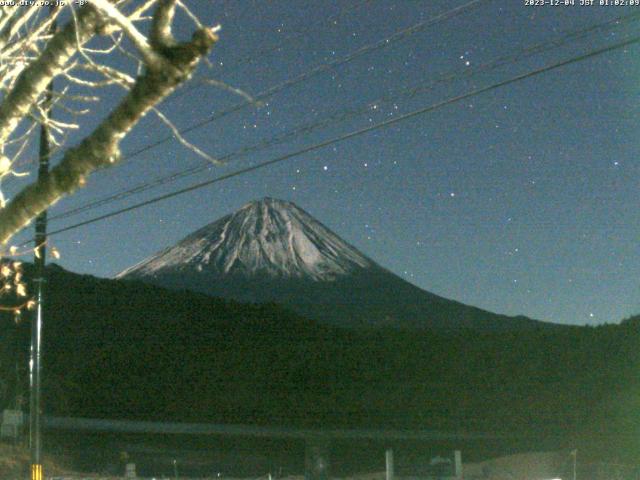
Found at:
[127, 350]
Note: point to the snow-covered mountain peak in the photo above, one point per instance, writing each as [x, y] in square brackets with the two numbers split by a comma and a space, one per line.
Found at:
[264, 238]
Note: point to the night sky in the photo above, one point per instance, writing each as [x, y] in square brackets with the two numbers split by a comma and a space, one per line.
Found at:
[520, 200]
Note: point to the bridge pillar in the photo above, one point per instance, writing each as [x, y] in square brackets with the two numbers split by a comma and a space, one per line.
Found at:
[388, 456]
[316, 459]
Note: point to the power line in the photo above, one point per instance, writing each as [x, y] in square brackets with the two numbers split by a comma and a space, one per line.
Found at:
[356, 133]
[380, 44]
[187, 89]
[343, 115]
[249, 59]
[320, 68]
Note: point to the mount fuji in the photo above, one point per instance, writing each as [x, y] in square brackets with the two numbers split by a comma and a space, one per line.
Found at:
[273, 251]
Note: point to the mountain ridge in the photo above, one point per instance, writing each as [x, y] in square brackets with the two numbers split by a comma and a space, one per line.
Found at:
[269, 237]
[273, 251]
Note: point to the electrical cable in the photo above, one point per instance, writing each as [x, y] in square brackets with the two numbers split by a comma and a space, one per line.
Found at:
[381, 44]
[355, 133]
[342, 115]
[249, 59]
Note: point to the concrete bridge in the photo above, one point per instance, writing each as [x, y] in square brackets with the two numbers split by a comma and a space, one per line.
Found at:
[317, 441]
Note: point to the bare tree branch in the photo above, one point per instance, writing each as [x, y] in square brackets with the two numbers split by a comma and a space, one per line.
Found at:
[101, 147]
[186, 143]
[161, 36]
[138, 39]
[33, 80]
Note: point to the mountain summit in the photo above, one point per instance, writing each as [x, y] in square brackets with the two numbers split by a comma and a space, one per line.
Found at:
[273, 251]
[267, 238]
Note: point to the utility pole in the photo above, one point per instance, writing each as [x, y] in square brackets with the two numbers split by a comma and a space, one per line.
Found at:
[40, 250]
[35, 364]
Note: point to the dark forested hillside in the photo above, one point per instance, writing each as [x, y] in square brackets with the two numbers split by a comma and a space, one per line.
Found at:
[129, 350]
